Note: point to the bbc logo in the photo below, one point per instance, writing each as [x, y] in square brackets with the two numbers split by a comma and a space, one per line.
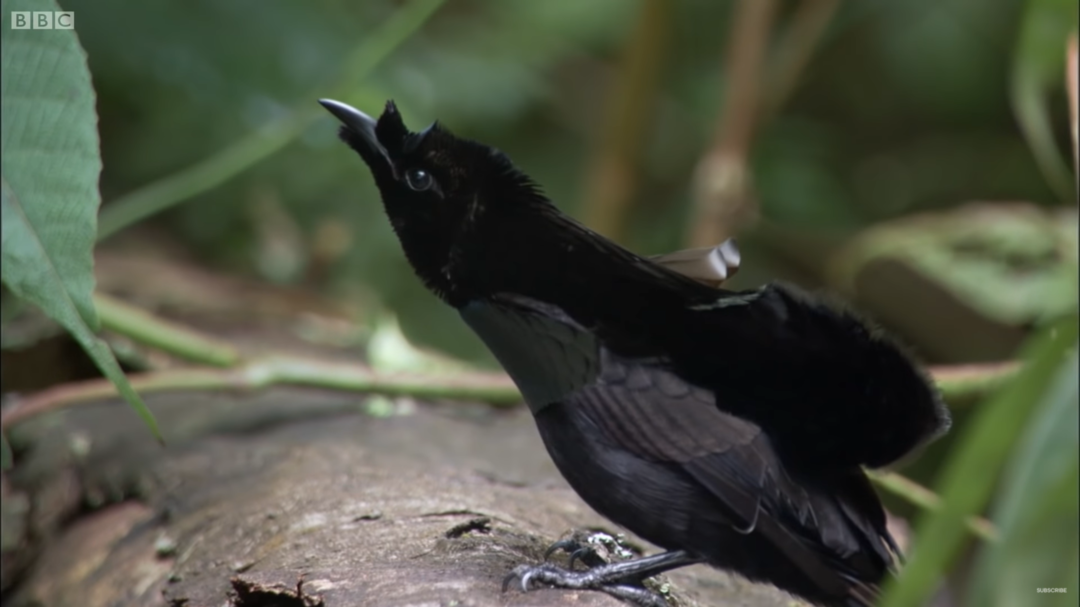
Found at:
[42, 20]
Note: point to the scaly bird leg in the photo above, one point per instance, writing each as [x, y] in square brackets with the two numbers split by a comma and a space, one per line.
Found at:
[622, 580]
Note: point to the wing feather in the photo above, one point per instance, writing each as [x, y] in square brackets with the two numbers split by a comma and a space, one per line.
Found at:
[645, 408]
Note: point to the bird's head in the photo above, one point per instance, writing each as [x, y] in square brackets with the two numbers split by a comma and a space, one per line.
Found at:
[439, 190]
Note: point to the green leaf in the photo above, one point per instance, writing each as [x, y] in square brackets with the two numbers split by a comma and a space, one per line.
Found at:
[1013, 263]
[49, 167]
[971, 473]
[1037, 511]
[50, 161]
[1038, 69]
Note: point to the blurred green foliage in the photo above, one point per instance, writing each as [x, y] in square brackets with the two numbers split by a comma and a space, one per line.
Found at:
[1038, 399]
[904, 107]
[1037, 67]
[1037, 505]
[1012, 263]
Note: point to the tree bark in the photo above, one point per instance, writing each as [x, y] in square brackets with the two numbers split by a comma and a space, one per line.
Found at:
[296, 498]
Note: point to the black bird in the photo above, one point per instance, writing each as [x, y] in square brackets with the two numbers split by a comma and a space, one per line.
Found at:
[727, 427]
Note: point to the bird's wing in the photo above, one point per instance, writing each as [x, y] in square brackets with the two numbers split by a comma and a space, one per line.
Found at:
[835, 535]
[647, 409]
[640, 405]
[651, 412]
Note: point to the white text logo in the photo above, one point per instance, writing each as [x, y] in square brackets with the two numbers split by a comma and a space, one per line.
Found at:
[42, 20]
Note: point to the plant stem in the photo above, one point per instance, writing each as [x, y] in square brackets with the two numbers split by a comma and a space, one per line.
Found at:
[794, 51]
[155, 332]
[926, 499]
[1072, 89]
[969, 382]
[493, 388]
[610, 180]
[722, 178]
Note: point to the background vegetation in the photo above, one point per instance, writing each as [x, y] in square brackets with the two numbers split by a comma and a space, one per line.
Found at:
[911, 156]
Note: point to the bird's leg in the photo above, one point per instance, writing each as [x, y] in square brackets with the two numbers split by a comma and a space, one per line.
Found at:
[635, 595]
[622, 579]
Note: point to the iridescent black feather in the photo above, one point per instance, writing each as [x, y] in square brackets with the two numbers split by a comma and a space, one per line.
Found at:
[729, 425]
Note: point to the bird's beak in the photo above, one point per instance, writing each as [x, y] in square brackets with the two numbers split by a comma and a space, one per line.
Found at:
[357, 121]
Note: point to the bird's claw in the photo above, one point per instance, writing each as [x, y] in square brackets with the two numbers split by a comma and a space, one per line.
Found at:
[558, 577]
[570, 546]
[522, 573]
[580, 554]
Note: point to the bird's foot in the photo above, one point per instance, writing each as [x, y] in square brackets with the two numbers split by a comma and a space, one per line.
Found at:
[593, 548]
[612, 579]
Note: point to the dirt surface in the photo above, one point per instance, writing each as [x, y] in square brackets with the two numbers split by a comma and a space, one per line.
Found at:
[296, 498]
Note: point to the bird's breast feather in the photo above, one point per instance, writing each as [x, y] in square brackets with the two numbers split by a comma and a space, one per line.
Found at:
[548, 355]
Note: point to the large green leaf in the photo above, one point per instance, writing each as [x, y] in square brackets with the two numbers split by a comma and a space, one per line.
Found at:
[1014, 263]
[1037, 512]
[51, 164]
[49, 176]
[972, 472]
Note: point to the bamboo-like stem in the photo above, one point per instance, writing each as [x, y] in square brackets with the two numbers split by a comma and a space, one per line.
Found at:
[794, 50]
[722, 179]
[610, 179]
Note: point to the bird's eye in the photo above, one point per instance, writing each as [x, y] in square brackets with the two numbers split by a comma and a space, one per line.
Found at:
[419, 179]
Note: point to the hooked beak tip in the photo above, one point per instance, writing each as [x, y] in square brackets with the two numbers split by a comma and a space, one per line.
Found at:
[349, 116]
[362, 125]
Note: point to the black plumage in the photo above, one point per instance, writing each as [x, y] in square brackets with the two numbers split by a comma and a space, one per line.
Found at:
[727, 427]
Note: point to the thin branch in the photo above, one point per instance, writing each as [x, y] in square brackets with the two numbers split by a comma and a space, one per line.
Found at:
[1030, 89]
[1072, 87]
[722, 186]
[794, 50]
[926, 499]
[493, 388]
[610, 185]
[175, 339]
[970, 382]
